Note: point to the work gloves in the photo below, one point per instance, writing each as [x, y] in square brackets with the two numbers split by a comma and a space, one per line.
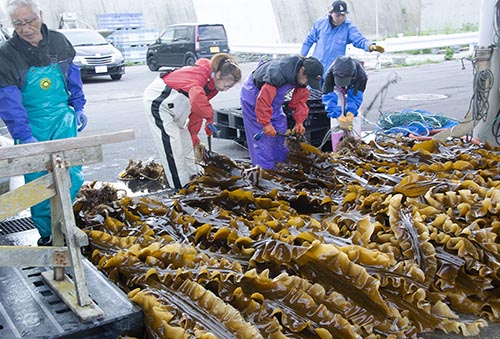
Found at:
[376, 48]
[81, 120]
[345, 121]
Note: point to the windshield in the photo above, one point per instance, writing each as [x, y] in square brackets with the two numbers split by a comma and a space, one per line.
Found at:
[212, 32]
[85, 38]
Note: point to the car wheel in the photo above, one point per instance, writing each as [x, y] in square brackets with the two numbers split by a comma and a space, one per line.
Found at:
[152, 64]
[116, 76]
[190, 60]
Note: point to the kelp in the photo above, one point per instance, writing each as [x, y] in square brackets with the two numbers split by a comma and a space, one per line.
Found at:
[391, 239]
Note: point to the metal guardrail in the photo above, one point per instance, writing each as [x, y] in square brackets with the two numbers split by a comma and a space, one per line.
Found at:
[401, 44]
[432, 41]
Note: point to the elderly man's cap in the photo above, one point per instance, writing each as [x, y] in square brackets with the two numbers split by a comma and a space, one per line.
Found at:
[314, 71]
[338, 7]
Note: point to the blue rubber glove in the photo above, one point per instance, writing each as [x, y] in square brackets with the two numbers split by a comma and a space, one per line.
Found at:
[29, 140]
[81, 120]
[333, 112]
[330, 101]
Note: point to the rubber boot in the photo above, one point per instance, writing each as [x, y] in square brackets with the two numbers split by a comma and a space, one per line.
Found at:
[336, 136]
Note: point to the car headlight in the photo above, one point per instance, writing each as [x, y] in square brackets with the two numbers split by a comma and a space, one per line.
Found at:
[78, 60]
[118, 56]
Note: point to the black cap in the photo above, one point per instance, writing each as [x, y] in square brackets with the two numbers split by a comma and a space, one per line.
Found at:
[314, 71]
[343, 70]
[339, 7]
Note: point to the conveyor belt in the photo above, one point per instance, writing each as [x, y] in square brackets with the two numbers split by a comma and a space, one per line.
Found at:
[30, 309]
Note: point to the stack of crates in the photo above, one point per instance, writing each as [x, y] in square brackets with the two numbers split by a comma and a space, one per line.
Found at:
[129, 34]
[317, 123]
[121, 21]
[229, 122]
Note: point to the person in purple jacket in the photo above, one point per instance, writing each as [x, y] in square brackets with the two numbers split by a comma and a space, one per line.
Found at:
[332, 33]
[41, 95]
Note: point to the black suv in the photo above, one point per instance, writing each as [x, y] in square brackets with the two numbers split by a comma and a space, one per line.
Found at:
[182, 44]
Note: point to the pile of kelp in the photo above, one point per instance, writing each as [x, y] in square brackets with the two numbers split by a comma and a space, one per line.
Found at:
[385, 240]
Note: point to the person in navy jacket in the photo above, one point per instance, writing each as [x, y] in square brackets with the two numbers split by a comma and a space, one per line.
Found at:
[343, 89]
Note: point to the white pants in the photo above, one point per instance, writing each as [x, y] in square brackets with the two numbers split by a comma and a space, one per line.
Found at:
[167, 112]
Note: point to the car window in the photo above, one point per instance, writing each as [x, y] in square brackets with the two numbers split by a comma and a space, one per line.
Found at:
[213, 32]
[182, 34]
[85, 38]
[168, 35]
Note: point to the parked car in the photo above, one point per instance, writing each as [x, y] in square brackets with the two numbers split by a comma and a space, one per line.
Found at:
[94, 54]
[182, 44]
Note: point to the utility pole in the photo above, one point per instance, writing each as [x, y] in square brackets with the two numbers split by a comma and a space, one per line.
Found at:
[483, 117]
[487, 77]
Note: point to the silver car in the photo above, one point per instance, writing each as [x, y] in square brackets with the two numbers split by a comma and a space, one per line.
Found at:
[94, 54]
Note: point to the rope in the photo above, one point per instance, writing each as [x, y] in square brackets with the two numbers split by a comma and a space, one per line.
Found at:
[416, 121]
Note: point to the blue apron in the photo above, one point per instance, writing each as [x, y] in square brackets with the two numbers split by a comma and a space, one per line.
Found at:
[45, 98]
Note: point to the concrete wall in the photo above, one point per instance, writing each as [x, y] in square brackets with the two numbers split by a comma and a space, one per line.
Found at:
[157, 13]
[393, 17]
[277, 21]
[245, 21]
[444, 15]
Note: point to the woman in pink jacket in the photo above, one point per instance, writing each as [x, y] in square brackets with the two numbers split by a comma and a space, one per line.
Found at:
[176, 105]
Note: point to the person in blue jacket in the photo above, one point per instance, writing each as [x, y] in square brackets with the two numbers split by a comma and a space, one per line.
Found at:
[41, 95]
[343, 88]
[262, 97]
[332, 33]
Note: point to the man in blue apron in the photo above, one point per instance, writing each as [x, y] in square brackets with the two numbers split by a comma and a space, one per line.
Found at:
[41, 95]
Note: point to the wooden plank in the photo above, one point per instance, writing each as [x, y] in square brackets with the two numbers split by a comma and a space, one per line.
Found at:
[62, 181]
[57, 234]
[24, 256]
[65, 289]
[47, 147]
[29, 164]
[26, 196]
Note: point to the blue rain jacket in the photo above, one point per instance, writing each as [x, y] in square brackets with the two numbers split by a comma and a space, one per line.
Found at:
[353, 93]
[332, 42]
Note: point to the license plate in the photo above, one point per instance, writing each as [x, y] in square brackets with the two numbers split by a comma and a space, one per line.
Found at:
[214, 49]
[101, 69]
